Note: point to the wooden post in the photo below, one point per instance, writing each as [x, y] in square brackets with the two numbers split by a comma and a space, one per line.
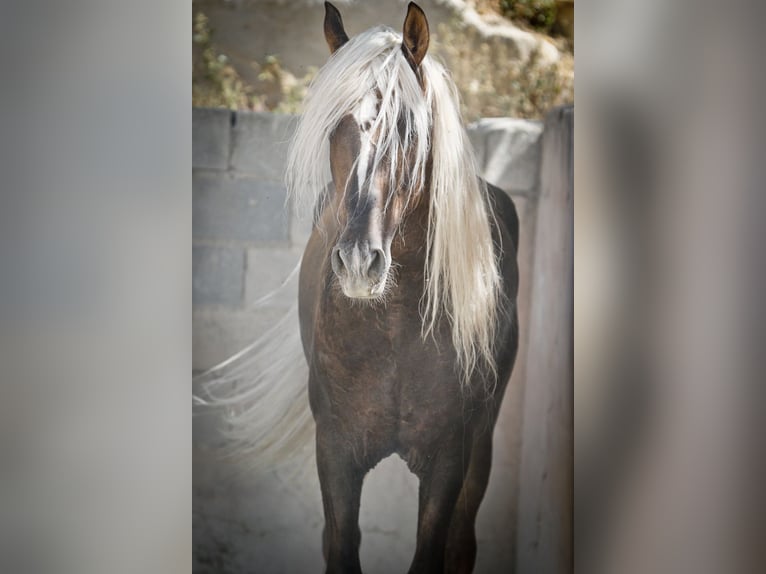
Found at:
[545, 491]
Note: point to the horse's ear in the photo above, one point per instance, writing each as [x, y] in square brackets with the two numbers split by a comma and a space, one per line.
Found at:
[333, 28]
[415, 35]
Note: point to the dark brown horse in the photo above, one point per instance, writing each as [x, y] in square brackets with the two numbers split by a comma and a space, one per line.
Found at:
[407, 299]
[380, 382]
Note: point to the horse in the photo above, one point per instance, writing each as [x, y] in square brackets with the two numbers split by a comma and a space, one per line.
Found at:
[407, 295]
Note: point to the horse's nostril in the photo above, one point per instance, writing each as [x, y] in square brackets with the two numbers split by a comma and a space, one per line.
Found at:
[337, 261]
[377, 264]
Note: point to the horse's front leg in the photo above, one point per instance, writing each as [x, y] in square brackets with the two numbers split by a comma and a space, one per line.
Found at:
[440, 485]
[461, 542]
[340, 478]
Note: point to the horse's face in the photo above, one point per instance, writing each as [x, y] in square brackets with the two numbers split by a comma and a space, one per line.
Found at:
[371, 201]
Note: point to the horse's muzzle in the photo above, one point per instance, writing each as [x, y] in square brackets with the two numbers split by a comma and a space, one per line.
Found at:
[361, 269]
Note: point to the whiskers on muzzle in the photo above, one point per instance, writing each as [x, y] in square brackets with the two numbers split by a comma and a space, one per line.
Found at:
[362, 290]
[361, 269]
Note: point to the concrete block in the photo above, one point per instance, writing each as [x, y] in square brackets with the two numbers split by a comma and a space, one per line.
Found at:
[227, 207]
[508, 152]
[260, 142]
[267, 270]
[217, 275]
[210, 138]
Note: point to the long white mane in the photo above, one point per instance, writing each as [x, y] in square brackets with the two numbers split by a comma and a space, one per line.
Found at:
[462, 277]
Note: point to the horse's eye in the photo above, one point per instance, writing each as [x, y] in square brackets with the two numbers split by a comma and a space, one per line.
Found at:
[366, 126]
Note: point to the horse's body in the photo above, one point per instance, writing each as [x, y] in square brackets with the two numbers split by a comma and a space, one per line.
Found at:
[378, 386]
[407, 300]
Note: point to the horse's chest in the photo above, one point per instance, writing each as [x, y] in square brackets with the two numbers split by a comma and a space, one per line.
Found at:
[381, 384]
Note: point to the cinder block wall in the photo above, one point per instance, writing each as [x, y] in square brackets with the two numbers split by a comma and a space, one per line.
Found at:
[246, 240]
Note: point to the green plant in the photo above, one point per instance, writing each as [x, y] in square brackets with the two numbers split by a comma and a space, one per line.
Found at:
[491, 77]
[216, 83]
[290, 89]
[493, 81]
[539, 14]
